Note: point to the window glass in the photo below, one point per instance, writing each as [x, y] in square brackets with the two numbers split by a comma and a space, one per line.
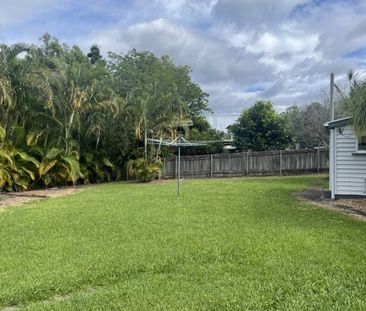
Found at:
[362, 143]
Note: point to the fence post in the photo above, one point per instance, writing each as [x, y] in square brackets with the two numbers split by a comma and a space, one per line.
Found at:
[247, 163]
[280, 162]
[163, 168]
[211, 164]
[318, 156]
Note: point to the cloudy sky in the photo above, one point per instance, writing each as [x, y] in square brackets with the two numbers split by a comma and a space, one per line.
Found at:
[239, 50]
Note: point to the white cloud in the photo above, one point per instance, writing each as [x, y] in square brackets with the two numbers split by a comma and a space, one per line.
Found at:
[258, 14]
[339, 25]
[211, 59]
[19, 11]
[283, 47]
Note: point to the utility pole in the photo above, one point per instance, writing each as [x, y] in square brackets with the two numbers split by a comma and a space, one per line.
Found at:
[331, 97]
[332, 154]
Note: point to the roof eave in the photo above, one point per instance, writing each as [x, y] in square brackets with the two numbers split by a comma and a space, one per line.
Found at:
[338, 123]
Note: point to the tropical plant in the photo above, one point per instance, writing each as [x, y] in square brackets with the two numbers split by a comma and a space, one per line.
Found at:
[96, 168]
[143, 170]
[59, 168]
[355, 104]
[68, 118]
[17, 168]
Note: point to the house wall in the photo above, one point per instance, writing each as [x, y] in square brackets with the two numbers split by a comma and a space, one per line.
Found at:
[350, 170]
[331, 163]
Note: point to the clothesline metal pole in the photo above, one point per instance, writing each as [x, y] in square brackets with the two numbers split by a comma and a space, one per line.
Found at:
[178, 170]
[178, 142]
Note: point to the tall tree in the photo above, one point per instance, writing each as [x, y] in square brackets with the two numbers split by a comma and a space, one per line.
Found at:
[158, 93]
[306, 124]
[94, 54]
[260, 128]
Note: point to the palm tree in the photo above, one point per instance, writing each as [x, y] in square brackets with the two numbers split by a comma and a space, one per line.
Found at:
[24, 87]
[356, 103]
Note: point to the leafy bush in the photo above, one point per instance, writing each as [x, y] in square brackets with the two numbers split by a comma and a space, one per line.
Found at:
[17, 168]
[143, 169]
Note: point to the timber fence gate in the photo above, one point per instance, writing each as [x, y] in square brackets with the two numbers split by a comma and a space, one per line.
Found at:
[281, 162]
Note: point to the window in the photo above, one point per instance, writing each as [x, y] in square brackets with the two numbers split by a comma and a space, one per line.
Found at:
[362, 143]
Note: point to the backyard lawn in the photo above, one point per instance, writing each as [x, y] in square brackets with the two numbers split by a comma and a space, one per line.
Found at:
[225, 244]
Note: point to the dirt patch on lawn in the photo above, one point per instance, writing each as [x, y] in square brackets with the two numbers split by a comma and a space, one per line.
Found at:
[357, 204]
[353, 207]
[19, 198]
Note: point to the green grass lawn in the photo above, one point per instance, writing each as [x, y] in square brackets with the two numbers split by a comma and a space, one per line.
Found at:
[225, 244]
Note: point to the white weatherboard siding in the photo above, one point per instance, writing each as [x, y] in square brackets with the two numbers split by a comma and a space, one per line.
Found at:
[331, 164]
[350, 169]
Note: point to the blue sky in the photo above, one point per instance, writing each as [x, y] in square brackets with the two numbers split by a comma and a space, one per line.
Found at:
[239, 50]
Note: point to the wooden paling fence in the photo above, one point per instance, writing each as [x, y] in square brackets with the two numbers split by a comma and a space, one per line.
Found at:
[282, 162]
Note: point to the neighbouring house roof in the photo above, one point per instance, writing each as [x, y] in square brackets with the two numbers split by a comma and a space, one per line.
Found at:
[338, 123]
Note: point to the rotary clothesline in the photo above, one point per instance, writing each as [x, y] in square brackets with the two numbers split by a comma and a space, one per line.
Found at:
[179, 142]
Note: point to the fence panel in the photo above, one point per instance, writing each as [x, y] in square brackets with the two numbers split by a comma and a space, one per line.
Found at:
[249, 163]
[196, 167]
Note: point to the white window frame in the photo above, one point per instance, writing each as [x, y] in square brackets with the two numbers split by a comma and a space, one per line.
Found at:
[363, 148]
